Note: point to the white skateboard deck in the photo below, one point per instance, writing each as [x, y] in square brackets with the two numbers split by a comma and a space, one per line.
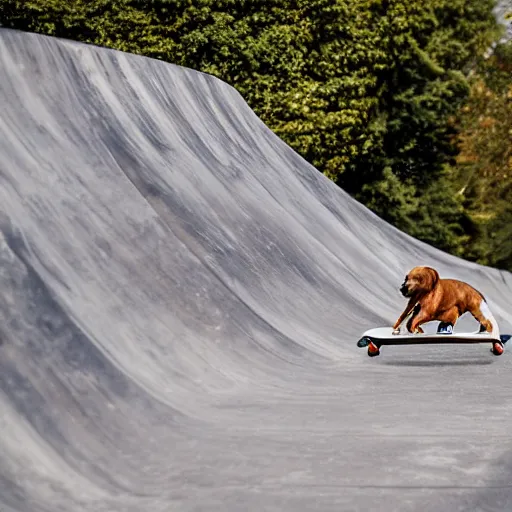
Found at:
[381, 336]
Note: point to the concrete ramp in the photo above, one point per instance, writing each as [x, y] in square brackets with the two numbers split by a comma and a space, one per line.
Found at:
[181, 296]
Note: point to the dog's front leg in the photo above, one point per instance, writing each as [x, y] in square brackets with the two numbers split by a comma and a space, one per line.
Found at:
[412, 319]
[403, 316]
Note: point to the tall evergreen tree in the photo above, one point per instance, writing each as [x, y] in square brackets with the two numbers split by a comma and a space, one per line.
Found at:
[363, 89]
[483, 173]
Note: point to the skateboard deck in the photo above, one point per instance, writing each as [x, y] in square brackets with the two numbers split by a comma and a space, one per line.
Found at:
[381, 336]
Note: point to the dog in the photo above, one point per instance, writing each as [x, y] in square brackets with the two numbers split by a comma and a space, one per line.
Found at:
[446, 300]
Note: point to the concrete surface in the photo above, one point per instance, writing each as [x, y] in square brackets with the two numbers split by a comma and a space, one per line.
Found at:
[181, 296]
[501, 10]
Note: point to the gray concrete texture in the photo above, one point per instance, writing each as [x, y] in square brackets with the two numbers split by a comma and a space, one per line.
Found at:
[181, 296]
[503, 11]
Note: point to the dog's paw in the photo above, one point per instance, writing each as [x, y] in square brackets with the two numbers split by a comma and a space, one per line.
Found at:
[396, 331]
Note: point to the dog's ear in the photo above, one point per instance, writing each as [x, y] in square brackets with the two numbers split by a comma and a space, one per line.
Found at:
[431, 278]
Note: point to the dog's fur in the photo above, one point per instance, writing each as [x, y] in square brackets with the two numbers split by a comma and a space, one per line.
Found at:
[432, 298]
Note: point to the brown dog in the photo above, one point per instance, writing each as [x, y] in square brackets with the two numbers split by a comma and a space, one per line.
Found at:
[432, 298]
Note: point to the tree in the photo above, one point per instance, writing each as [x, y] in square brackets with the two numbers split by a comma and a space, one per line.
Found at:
[483, 170]
[362, 89]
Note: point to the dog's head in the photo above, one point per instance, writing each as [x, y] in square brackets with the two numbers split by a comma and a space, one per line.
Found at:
[419, 281]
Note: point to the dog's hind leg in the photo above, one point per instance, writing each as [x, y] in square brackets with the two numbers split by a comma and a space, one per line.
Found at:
[447, 321]
[483, 315]
[448, 318]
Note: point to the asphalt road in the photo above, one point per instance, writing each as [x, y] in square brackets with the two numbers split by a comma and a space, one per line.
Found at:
[181, 296]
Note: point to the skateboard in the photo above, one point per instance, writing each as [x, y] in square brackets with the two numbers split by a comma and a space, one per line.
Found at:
[375, 338]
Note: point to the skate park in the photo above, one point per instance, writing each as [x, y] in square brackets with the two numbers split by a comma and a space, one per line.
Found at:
[182, 295]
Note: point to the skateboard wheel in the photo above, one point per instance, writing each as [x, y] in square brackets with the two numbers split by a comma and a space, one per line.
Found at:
[373, 350]
[498, 348]
[363, 342]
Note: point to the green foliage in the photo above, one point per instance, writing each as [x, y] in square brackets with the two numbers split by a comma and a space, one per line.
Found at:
[391, 199]
[484, 165]
[441, 219]
[354, 87]
[436, 215]
[362, 89]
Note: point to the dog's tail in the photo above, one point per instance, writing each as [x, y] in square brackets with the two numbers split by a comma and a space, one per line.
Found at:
[487, 315]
